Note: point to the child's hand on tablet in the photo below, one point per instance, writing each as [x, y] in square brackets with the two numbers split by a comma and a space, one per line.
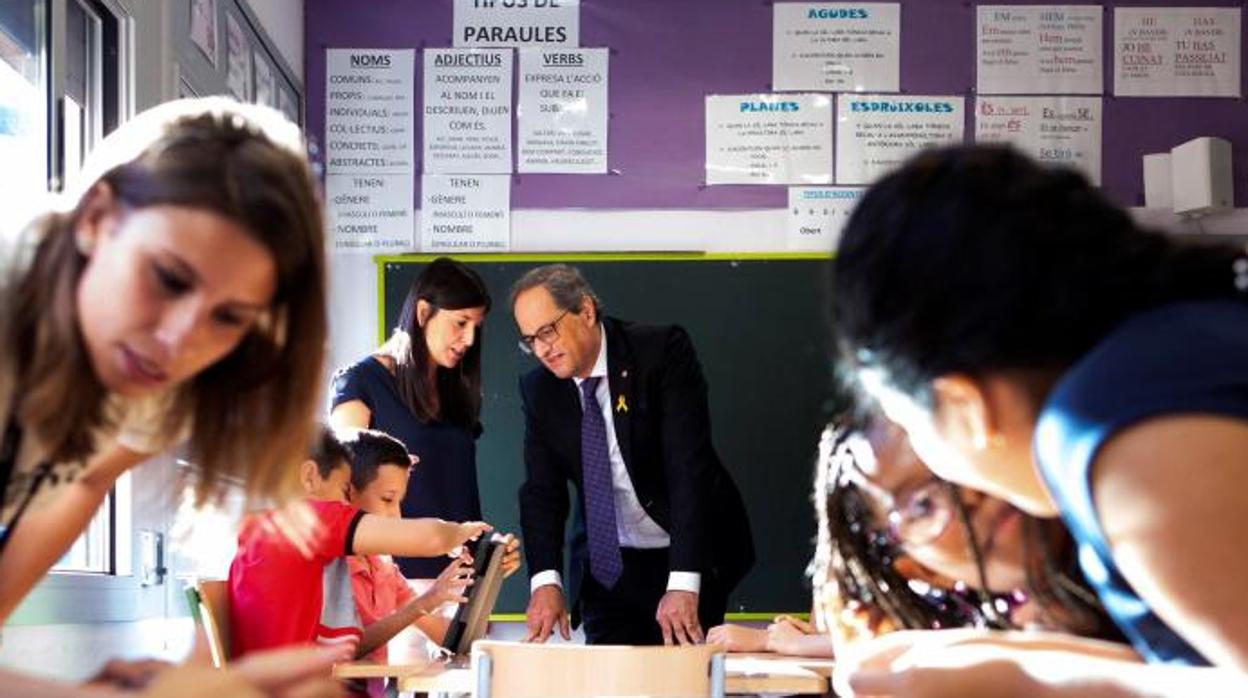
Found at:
[511, 554]
[449, 587]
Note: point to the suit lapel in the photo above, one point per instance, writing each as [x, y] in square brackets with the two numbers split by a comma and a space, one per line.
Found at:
[620, 376]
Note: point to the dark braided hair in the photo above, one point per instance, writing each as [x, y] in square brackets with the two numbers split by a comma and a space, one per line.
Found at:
[862, 556]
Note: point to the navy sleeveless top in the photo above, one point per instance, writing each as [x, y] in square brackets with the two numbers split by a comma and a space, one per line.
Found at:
[1189, 357]
[444, 482]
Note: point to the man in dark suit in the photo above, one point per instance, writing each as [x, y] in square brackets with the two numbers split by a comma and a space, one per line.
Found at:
[620, 410]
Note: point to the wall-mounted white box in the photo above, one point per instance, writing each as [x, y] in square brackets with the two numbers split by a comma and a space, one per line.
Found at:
[1200, 176]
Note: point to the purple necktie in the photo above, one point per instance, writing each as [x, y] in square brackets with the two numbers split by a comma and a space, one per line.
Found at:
[605, 562]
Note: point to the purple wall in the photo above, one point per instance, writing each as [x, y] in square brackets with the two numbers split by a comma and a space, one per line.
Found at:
[668, 54]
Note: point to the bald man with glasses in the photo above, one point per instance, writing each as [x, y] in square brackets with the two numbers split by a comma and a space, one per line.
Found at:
[660, 535]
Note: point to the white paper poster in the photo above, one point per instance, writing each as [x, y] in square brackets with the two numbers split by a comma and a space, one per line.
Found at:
[495, 23]
[1054, 130]
[266, 83]
[467, 111]
[876, 133]
[562, 111]
[237, 60]
[835, 47]
[369, 151]
[1039, 49]
[1177, 52]
[465, 213]
[370, 213]
[204, 28]
[769, 139]
[817, 215]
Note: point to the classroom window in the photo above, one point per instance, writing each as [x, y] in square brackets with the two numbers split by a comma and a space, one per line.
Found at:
[83, 108]
[93, 551]
[23, 98]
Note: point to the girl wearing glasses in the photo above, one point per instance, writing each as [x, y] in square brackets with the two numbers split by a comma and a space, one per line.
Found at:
[900, 549]
[1036, 344]
[907, 550]
[423, 387]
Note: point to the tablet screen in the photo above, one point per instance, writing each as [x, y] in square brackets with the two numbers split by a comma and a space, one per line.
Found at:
[473, 616]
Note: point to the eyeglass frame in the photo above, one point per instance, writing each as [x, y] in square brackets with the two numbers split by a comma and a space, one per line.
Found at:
[894, 523]
[900, 525]
[551, 328]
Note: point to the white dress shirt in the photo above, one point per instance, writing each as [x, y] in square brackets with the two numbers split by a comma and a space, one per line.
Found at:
[634, 526]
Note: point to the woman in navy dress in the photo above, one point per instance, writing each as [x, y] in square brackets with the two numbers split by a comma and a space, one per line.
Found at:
[423, 387]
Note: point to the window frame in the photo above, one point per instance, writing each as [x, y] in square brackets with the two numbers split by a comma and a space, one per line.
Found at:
[110, 90]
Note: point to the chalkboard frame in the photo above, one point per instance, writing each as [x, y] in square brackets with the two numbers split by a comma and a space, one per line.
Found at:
[392, 287]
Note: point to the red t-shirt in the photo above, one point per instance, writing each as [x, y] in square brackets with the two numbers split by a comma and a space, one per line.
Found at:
[280, 595]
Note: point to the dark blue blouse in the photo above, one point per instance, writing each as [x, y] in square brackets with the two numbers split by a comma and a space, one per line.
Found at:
[444, 483]
[1181, 358]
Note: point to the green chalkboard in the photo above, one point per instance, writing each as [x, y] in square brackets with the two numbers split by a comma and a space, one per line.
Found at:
[757, 323]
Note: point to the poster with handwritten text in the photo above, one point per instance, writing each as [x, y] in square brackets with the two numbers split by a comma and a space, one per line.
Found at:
[1177, 52]
[1039, 49]
[1054, 130]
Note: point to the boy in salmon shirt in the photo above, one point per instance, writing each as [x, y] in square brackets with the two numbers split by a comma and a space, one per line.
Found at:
[380, 467]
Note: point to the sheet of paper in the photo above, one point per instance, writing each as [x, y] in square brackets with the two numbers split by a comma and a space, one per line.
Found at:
[876, 133]
[500, 23]
[1039, 49]
[1054, 130]
[467, 111]
[562, 110]
[266, 81]
[769, 139]
[369, 151]
[465, 213]
[1177, 52]
[237, 60]
[836, 47]
[817, 215]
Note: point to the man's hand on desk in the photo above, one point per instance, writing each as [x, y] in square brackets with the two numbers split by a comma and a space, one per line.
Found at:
[546, 610]
[678, 618]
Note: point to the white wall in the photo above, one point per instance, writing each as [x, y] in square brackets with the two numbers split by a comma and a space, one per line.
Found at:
[282, 20]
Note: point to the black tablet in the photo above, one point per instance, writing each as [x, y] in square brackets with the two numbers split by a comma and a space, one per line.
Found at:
[472, 618]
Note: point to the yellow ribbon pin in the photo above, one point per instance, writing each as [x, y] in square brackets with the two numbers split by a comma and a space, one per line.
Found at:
[621, 405]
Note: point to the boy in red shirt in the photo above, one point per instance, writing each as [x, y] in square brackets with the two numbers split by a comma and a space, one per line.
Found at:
[286, 590]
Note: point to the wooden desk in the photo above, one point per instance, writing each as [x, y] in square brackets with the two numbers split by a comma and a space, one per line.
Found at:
[746, 673]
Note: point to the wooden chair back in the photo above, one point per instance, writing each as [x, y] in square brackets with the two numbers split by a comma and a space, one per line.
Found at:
[521, 670]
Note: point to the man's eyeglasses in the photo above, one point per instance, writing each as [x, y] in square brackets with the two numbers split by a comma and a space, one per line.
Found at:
[547, 334]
